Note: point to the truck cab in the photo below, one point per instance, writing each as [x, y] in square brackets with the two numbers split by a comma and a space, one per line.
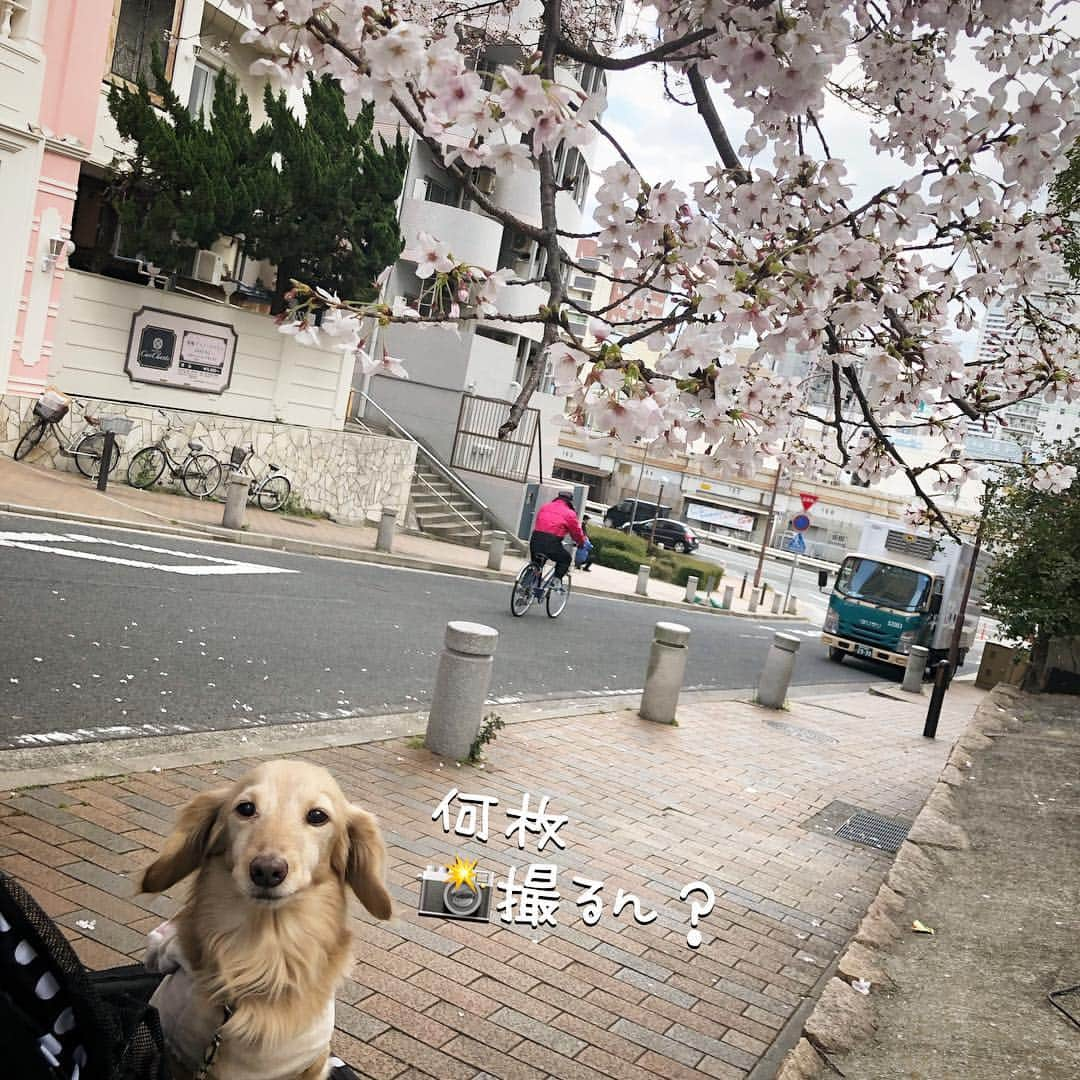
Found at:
[896, 591]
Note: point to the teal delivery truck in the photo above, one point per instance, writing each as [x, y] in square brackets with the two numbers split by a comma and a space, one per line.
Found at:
[897, 590]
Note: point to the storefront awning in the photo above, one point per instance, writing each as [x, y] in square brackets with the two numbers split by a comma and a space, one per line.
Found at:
[577, 466]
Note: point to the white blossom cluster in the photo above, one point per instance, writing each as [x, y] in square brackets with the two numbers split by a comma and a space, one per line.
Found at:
[776, 253]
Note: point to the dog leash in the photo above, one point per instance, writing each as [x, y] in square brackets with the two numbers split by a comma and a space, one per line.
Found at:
[213, 1047]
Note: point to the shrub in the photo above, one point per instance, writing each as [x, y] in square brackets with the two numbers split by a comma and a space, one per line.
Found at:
[626, 551]
[688, 567]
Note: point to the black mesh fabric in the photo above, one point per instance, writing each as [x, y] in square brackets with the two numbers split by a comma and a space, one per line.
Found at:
[58, 1021]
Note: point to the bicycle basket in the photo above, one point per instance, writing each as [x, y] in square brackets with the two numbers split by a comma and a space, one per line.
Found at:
[239, 455]
[52, 405]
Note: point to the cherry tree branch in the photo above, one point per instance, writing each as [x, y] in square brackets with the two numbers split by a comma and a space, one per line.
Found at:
[714, 125]
[666, 50]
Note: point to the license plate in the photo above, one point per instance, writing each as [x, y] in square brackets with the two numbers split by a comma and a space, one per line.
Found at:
[863, 650]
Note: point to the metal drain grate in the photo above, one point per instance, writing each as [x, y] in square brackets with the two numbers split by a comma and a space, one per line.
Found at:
[874, 831]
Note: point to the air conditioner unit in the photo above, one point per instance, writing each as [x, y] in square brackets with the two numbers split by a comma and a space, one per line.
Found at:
[209, 267]
[484, 180]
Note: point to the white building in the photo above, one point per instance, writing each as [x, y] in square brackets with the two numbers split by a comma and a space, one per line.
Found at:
[84, 314]
[463, 377]
[1027, 426]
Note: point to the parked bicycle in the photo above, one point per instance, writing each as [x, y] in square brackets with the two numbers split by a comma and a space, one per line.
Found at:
[86, 446]
[200, 473]
[533, 586]
[271, 490]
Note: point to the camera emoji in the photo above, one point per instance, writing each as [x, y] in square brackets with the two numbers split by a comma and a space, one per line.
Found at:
[457, 891]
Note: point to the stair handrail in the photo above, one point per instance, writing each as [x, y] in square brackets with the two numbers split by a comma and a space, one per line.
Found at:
[440, 468]
[449, 505]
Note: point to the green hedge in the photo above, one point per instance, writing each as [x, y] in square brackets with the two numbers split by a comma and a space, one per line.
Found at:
[625, 551]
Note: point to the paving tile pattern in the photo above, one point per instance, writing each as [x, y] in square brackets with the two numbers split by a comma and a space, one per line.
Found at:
[720, 798]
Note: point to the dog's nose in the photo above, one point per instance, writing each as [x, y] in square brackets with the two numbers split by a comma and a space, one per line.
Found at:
[268, 870]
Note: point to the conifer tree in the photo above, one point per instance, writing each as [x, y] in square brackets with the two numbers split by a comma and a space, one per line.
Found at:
[189, 182]
[316, 197]
[330, 214]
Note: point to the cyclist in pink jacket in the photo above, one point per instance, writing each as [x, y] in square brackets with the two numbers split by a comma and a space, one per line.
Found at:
[554, 521]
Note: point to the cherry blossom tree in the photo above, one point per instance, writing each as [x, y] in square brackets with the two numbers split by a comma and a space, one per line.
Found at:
[769, 248]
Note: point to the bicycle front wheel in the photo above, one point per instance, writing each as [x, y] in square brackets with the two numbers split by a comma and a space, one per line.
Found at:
[30, 439]
[88, 455]
[202, 475]
[557, 596]
[273, 493]
[522, 596]
[145, 467]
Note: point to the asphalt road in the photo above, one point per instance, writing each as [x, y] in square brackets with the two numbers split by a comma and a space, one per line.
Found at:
[102, 638]
[776, 573]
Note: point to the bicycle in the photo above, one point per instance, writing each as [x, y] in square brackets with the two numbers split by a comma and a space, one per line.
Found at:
[533, 586]
[86, 446]
[271, 490]
[199, 473]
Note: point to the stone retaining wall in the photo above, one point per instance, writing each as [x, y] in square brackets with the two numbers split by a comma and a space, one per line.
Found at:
[843, 1018]
[346, 475]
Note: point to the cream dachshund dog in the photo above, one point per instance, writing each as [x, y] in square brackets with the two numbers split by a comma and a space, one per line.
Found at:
[255, 954]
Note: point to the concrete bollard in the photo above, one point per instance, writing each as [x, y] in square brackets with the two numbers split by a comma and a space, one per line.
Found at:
[779, 667]
[915, 669]
[793, 605]
[777, 600]
[461, 685]
[237, 487]
[642, 587]
[384, 541]
[691, 589]
[729, 597]
[751, 603]
[496, 550]
[664, 677]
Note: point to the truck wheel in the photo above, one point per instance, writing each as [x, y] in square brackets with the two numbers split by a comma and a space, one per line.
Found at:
[836, 655]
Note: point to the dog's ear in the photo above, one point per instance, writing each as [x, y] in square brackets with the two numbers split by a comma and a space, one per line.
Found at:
[360, 860]
[196, 833]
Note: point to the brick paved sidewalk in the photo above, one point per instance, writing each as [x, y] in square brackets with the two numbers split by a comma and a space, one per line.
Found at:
[721, 798]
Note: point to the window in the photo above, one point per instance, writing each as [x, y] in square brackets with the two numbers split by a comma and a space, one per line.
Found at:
[201, 98]
[433, 191]
[883, 583]
[140, 25]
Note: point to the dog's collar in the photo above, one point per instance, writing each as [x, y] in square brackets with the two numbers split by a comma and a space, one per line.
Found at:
[213, 1046]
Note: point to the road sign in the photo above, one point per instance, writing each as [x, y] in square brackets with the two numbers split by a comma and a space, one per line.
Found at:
[800, 523]
[807, 500]
[797, 544]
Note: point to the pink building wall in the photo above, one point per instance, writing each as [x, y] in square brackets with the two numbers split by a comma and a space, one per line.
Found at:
[76, 45]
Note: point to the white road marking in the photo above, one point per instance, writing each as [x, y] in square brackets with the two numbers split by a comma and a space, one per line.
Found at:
[211, 564]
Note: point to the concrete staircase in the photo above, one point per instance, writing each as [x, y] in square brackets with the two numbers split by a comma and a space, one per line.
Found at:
[442, 511]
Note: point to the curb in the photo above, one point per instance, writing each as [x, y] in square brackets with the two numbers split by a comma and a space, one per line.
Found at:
[842, 1018]
[267, 542]
[42, 766]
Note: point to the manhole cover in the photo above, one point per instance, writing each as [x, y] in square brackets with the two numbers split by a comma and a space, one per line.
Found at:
[805, 733]
[874, 831]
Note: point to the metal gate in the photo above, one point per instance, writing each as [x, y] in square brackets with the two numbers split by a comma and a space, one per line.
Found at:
[477, 446]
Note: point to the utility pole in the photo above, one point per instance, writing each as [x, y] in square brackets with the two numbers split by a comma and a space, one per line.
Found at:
[659, 503]
[768, 525]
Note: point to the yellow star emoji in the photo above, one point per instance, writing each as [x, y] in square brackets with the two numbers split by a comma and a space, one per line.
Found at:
[462, 872]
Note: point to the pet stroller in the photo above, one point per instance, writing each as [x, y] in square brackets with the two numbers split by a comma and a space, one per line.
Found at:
[59, 1021]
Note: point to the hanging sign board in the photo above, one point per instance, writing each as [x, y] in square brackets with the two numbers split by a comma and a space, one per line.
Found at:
[169, 349]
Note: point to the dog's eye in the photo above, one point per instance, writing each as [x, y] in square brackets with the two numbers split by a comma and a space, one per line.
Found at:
[245, 809]
[317, 817]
